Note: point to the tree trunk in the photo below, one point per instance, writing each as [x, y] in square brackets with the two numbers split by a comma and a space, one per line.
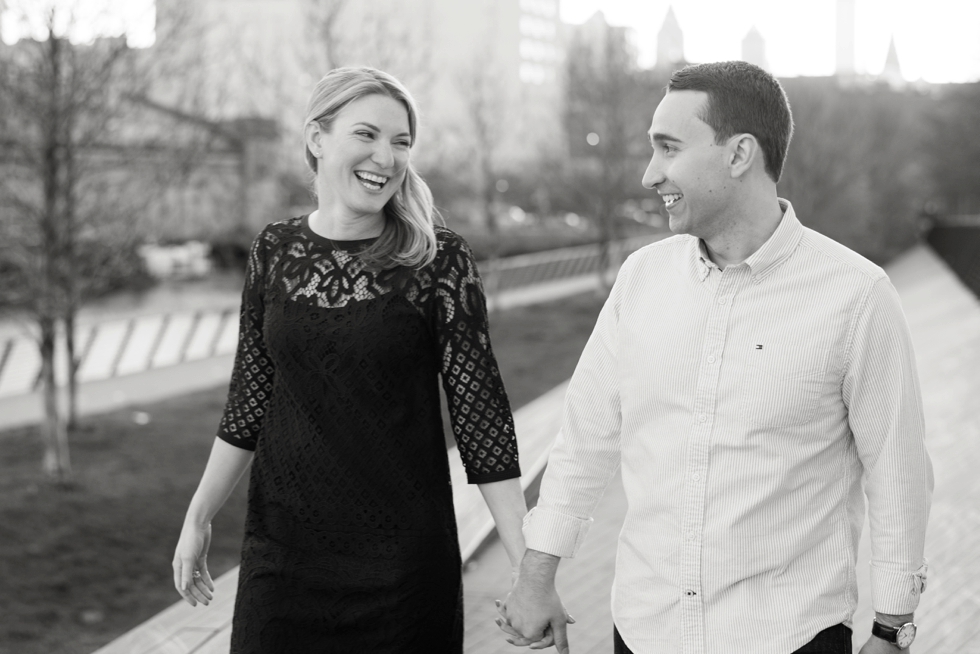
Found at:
[70, 355]
[56, 463]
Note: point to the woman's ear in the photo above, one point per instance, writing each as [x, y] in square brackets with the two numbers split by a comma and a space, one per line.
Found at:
[313, 138]
[744, 150]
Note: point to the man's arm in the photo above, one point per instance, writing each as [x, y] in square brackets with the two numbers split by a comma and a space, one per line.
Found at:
[584, 458]
[881, 391]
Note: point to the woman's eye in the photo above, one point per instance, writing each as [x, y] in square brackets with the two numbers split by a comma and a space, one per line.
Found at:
[365, 134]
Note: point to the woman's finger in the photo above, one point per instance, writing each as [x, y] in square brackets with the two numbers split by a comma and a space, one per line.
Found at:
[206, 575]
[202, 586]
[194, 591]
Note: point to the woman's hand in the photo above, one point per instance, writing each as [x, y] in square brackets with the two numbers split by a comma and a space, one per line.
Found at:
[191, 576]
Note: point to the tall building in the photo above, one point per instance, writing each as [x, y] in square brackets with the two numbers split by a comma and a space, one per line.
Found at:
[845, 38]
[754, 49]
[892, 73]
[670, 41]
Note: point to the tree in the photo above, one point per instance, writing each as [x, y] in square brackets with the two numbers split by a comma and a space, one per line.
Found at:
[66, 110]
[953, 147]
[856, 170]
[607, 110]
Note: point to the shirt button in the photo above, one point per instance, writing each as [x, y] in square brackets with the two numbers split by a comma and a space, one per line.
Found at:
[722, 300]
[690, 593]
[702, 418]
[711, 359]
[696, 477]
[691, 535]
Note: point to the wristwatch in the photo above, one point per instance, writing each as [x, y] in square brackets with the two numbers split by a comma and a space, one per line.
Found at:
[901, 637]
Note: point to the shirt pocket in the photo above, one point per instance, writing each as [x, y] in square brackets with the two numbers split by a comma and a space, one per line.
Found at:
[782, 387]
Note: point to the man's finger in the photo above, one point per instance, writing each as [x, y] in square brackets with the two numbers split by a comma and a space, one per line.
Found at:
[547, 641]
[561, 637]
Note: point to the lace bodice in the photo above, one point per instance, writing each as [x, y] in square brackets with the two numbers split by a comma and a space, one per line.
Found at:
[290, 264]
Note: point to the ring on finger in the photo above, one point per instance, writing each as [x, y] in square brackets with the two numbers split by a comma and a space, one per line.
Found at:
[197, 574]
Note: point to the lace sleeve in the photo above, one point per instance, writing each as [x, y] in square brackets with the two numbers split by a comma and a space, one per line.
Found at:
[480, 413]
[252, 375]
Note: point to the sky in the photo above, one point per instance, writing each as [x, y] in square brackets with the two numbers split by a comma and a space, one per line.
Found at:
[938, 40]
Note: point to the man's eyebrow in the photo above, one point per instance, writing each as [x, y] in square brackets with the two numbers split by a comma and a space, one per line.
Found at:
[378, 129]
[660, 137]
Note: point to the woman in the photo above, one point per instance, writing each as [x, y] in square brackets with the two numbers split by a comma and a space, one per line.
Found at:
[349, 316]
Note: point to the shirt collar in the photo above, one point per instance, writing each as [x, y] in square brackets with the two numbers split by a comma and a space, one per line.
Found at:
[764, 260]
[779, 246]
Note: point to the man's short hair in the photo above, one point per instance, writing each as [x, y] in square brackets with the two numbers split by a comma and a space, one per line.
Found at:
[742, 99]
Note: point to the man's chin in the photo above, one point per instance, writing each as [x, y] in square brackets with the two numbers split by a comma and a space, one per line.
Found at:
[677, 224]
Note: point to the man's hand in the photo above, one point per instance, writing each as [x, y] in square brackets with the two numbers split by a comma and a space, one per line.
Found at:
[876, 645]
[533, 613]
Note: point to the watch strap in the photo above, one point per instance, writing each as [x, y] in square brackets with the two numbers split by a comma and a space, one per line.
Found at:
[884, 632]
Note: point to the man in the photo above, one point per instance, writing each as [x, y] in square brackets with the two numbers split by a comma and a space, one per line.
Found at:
[746, 374]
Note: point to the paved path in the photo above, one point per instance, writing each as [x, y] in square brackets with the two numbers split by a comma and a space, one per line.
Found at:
[945, 321]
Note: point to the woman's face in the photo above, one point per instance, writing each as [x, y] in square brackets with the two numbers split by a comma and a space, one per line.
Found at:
[364, 156]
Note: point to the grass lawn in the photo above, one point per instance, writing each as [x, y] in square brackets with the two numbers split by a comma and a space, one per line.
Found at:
[80, 566]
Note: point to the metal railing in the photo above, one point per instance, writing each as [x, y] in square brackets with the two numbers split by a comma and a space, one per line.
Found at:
[123, 347]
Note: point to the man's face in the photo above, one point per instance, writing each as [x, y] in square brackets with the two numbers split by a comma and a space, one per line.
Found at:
[688, 169]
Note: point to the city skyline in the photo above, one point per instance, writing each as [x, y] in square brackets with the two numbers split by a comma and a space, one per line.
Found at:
[939, 45]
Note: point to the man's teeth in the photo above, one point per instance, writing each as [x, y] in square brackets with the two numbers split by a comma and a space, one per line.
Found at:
[370, 180]
[671, 198]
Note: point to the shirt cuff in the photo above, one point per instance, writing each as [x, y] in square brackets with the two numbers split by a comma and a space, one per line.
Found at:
[555, 533]
[897, 592]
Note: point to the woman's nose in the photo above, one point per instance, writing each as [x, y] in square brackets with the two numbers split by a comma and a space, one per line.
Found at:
[383, 155]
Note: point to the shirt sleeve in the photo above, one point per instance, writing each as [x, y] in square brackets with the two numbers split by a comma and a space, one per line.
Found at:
[480, 413]
[586, 453]
[884, 403]
[253, 373]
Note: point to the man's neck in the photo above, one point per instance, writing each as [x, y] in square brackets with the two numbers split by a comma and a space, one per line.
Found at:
[746, 231]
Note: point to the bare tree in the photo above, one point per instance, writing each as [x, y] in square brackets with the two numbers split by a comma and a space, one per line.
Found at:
[67, 227]
[604, 114]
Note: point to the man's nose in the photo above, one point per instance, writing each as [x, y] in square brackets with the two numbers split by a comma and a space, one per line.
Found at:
[653, 174]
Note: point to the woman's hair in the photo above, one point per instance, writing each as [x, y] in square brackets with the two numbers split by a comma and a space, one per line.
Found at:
[408, 238]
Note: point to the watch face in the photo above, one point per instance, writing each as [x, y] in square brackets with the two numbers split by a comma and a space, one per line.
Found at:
[905, 635]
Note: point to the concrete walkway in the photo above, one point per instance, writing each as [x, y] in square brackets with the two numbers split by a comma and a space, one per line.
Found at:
[945, 321]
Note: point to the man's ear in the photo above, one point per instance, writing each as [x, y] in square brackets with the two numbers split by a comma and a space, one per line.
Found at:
[743, 153]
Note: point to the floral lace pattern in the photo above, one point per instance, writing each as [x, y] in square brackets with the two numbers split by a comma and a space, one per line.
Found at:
[350, 540]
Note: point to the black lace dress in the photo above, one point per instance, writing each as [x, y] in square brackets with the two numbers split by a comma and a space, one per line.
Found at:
[350, 539]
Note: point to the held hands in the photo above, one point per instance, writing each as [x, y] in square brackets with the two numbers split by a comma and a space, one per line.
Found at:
[533, 615]
[191, 576]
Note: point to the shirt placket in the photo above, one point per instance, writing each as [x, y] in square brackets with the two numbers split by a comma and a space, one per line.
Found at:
[699, 446]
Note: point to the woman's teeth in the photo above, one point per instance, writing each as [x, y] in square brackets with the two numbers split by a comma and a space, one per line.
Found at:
[371, 181]
[671, 198]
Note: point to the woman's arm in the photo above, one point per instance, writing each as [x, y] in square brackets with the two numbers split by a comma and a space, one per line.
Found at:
[225, 467]
[505, 499]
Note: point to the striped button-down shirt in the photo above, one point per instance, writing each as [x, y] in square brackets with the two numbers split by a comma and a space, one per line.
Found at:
[745, 406]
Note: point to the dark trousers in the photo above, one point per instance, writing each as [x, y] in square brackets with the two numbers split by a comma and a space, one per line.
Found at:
[832, 640]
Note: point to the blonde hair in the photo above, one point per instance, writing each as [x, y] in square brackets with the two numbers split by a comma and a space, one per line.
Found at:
[408, 237]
